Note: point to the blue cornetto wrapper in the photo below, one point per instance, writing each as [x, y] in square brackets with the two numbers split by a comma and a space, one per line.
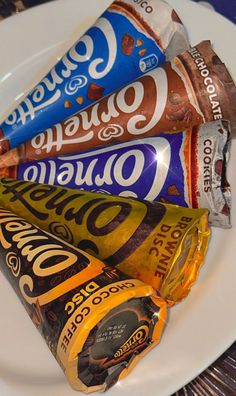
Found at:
[129, 39]
[186, 168]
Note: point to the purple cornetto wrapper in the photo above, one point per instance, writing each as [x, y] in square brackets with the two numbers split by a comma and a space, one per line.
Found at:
[185, 168]
[129, 39]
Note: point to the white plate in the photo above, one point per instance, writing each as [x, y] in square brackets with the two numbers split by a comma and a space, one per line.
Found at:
[199, 329]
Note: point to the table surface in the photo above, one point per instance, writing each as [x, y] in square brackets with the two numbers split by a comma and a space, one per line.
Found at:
[220, 378]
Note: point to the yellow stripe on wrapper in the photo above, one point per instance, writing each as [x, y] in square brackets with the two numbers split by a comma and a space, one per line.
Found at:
[162, 245]
[97, 321]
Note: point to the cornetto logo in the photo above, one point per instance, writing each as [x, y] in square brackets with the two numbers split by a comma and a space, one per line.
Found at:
[106, 167]
[134, 341]
[57, 201]
[144, 4]
[42, 257]
[100, 120]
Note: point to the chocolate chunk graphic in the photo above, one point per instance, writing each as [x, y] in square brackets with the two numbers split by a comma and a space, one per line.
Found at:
[179, 113]
[219, 167]
[173, 190]
[139, 42]
[164, 200]
[175, 99]
[178, 109]
[95, 92]
[142, 52]
[127, 44]
[67, 104]
[80, 100]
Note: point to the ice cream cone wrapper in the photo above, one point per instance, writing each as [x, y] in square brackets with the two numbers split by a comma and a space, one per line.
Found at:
[187, 168]
[160, 244]
[128, 40]
[192, 89]
[96, 321]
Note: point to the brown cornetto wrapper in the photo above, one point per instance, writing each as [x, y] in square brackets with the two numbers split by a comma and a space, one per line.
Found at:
[97, 321]
[162, 245]
[192, 89]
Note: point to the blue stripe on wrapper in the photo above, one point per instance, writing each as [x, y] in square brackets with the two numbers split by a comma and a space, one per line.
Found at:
[144, 170]
[98, 64]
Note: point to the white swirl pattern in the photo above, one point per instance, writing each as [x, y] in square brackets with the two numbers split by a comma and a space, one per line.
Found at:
[110, 131]
[75, 84]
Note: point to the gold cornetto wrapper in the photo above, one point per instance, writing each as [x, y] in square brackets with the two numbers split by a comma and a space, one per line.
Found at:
[97, 321]
[162, 245]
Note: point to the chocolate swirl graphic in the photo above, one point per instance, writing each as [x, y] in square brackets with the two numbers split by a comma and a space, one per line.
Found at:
[110, 131]
[14, 263]
[61, 231]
